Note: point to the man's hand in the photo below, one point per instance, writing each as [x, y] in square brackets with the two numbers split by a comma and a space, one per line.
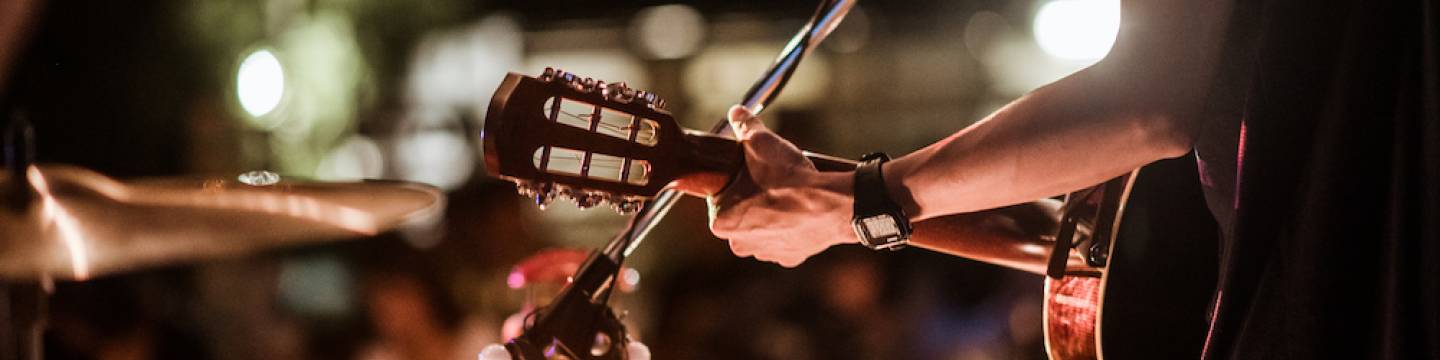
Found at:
[786, 210]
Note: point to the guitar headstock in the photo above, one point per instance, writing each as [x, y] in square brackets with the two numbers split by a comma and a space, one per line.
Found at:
[560, 134]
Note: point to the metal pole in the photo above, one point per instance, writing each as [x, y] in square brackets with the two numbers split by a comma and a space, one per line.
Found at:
[23, 320]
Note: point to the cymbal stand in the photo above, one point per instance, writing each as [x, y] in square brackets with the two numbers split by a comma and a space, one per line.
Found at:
[22, 314]
[22, 304]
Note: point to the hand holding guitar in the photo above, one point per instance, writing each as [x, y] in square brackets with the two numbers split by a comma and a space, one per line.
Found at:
[788, 210]
[540, 129]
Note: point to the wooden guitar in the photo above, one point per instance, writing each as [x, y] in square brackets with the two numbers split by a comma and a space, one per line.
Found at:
[599, 143]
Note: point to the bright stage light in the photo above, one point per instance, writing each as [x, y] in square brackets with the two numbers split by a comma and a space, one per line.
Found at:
[260, 83]
[1077, 29]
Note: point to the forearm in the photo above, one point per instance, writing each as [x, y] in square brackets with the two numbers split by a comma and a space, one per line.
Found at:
[1017, 237]
[1071, 134]
[1141, 104]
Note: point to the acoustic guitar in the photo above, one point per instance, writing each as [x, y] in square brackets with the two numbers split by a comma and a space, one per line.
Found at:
[598, 143]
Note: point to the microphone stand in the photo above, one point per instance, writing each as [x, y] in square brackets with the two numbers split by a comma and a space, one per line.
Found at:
[579, 324]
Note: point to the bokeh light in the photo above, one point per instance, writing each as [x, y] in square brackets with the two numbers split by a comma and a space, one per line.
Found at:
[452, 69]
[355, 159]
[316, 286]
[260, 83]
[668, 31]
[1077, 29]
[434, 156]
[852, 34]
[720, 76]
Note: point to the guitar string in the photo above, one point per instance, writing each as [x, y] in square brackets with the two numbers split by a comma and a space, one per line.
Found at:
[612, 127]
[594, 163]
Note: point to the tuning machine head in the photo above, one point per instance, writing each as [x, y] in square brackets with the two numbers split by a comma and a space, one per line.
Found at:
[548, 75]
[651, 100]
[623, 206]
[542, 192]
[617, 92]
[587, 200]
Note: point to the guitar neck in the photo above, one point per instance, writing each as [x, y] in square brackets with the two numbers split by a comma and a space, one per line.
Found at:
[716, 160]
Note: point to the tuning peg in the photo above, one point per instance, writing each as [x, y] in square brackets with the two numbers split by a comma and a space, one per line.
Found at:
[525, 188]
[543, 194]
[625, 207]
[587, 85]
[619, 92]
[649, 98]
[543, 200]
[586, 201]
[548, 74]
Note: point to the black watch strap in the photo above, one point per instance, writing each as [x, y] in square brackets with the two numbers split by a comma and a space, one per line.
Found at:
[879, 222]
[870, 193]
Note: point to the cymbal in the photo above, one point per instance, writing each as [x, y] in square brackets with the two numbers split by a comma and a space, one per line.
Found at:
[79, 223]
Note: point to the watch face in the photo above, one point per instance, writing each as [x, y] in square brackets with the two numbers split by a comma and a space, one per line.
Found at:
[881, 226]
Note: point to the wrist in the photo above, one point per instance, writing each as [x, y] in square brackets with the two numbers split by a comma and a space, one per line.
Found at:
[894, 173]
[878, 221]
[839, 190]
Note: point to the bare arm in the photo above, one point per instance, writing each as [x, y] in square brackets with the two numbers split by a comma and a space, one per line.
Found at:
[1140, 104]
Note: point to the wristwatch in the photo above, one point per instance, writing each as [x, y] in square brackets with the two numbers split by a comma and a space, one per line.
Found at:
[879, 222]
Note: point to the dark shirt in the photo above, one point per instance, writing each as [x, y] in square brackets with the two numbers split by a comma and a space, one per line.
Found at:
[1217, 153]
[1322, 165]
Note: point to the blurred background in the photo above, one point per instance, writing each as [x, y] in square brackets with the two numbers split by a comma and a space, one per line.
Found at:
[351, 89]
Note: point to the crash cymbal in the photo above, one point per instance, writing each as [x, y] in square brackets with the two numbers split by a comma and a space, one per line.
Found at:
[76, 223]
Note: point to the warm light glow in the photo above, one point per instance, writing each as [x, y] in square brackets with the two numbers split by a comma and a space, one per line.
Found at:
[1077, 29]
[668, 31]
[722, 73]
[260, 83]
[64, 223]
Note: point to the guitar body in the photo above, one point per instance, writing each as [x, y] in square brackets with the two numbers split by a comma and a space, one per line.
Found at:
[1151, 299]
[1072, 313]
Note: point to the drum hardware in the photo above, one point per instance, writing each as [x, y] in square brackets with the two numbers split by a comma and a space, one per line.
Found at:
[22, 304]
[68, 223]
